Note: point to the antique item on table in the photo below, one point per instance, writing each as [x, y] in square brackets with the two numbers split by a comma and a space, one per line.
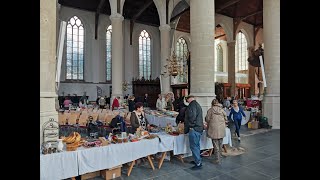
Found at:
[49, 150]
[44, 151]
[60, 145]
[174, 133]
[104, 141]
[168, 128]
[50, 131]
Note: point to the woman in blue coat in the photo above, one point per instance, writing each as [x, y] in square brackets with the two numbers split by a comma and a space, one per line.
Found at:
[237, 114]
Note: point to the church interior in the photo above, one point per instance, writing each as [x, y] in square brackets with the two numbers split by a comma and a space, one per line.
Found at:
[211, 49]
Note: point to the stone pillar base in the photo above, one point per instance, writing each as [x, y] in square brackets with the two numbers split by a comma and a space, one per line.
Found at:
[47, 109]
[204, 99]
[271, 110]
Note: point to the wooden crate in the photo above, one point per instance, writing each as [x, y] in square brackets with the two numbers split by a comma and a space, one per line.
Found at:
[90, 175]
[111, 173]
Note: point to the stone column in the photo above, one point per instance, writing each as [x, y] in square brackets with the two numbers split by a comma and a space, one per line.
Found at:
[48, 95]
[165, 54]
[117, 55]
[232, 66]
[202, 26]
[271, 36]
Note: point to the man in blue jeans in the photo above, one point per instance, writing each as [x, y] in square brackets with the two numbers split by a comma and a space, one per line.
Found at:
[193, 124]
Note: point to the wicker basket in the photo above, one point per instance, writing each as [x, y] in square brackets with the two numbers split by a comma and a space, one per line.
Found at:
[73, 146]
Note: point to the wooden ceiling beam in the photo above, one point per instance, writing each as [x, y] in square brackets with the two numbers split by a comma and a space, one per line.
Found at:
[251, 14]
[101, 3]
[141, 10]
[179, 14]
[219, 36]
[226, 4]
[136, 16]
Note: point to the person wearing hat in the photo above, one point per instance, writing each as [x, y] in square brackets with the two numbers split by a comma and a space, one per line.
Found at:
[193, 124]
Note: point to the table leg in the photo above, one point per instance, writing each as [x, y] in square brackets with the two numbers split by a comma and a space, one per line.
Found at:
[130, 167]
[162, 159]
[225, 148]
[210, 152]
[150, 162]
[180, 158]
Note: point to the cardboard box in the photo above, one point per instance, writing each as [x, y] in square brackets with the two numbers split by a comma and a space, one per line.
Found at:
[90, 175]
[255, 124]
[111, 173]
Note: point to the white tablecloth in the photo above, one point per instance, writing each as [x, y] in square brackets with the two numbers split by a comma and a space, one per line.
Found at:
[95, 159]
[181, 143]
[59, 165]
[227, 138]
[244, 119]
[161, 121]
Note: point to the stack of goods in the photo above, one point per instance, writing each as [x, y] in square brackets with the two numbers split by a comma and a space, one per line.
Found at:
[90, 144]
[73, 141]
[170, 130]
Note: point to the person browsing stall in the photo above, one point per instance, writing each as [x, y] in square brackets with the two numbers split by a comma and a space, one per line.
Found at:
[193, 124]
[138, 118]
[236, 112]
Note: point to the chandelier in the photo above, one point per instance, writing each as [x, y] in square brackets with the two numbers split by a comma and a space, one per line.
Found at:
[174, 66]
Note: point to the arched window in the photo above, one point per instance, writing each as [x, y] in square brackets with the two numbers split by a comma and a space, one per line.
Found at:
[182, 55]
[144, 55]
[108, 53]
[75, 42]
[241, 63]
[219, 59]
[241, 53]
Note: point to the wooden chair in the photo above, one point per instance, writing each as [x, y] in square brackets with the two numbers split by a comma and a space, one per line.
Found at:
[95, 116]
[73, 119]
[83, 119]
[62, 118]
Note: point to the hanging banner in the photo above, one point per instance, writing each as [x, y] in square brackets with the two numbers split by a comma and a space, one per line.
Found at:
[263, 73]
[61, 38]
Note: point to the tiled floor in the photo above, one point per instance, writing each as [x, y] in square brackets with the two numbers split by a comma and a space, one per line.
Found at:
[261, 161]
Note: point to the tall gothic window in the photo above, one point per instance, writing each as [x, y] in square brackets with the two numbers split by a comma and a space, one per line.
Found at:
[75, 42]
[144, 55]
[241, 62]
[182, 55]
[241, 53]
[219, 59]
[108, 53]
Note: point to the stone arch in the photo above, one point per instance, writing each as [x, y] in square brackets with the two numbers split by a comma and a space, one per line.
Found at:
[227, 24]
[248, 31]
[67, 13]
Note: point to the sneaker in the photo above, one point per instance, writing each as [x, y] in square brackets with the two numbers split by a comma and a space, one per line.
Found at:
[239, 139]
[196, 167]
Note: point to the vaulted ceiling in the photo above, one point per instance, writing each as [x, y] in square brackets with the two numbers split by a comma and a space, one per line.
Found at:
[145, 11]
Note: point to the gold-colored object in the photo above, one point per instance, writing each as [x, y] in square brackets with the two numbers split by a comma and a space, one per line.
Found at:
[174, 66]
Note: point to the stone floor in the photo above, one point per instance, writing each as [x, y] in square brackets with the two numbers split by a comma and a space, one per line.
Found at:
[260, 161]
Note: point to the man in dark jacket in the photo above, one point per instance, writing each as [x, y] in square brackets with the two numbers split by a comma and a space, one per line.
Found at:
[193, 124]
